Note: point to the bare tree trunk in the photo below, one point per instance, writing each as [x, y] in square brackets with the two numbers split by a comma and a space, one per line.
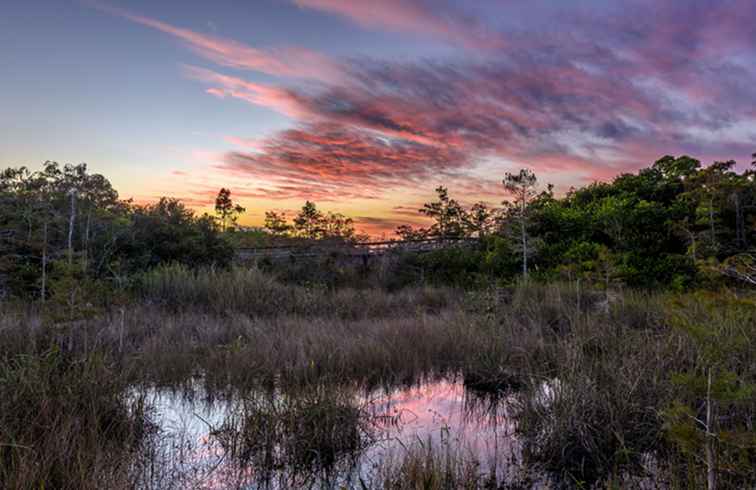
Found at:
[524, 249]
[43, 292]
[120, 332]
[524, 239]
[711, 218]
[692, 242]
[85, 261]
[739, 222]
[711, 482]
[71, 219]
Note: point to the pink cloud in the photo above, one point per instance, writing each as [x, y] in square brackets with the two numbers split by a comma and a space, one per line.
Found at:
[279, 99]
[331, 161]
[437, 19]
[281, 61]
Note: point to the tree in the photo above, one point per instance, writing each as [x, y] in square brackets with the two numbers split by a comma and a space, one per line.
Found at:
[677, 169]
[277, 224]
[167, 231]
[309, 222]
[448, 215]
[410, 233]
[480, 221]
[338, 226]
[741, 267]
[226, 209]
[523, 187]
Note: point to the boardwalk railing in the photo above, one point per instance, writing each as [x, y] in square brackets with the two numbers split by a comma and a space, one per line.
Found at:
[358, 249]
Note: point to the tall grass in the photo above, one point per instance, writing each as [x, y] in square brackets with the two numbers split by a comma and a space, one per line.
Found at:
[66, 423]
[295, 438]
[252, 292]
[426, 466]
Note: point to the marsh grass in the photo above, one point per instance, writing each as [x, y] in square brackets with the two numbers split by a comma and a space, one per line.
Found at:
[591, 370]
[66, 423]
[252, 292]
[426, 466]
[312, 434]
[445, 465]
[599, 415]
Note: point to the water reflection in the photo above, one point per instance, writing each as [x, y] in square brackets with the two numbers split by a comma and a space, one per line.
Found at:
[444, 414]
[324, 437]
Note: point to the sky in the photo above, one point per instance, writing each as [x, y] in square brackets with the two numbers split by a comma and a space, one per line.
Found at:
[365, 106]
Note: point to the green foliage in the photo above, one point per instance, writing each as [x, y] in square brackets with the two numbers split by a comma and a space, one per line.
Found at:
[710, 419]
[675, 225]
[277, 224]
[63, 230]
[447, 214]
[73, 295]
[453, 265]
[168, 232]
[452, 220]
[667, 226]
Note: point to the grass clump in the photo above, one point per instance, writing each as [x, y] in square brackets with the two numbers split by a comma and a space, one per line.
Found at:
[297, 437]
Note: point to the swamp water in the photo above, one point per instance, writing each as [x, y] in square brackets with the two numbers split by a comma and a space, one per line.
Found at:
[328, 437]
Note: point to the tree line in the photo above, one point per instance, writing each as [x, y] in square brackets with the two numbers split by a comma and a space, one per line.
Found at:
[312, 224]
[62, 226]
[670, 224]
[675, 223]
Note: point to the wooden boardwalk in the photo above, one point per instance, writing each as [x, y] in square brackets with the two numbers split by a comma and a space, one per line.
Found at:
[359, 249]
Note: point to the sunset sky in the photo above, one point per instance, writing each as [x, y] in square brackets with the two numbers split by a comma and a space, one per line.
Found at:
[364, 106]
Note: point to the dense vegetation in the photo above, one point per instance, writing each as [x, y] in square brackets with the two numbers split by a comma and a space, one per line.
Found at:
[675, 224]
[617, 322]
[62, 225]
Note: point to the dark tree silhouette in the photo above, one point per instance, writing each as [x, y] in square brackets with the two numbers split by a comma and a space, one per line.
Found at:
[227, 211]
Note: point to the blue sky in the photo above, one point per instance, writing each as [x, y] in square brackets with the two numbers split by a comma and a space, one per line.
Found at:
[365, 106]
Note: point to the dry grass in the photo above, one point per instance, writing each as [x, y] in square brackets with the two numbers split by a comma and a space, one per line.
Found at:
[66, 423]
[254, 293]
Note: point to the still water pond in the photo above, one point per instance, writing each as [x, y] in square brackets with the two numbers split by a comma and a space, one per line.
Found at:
[325, 438]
